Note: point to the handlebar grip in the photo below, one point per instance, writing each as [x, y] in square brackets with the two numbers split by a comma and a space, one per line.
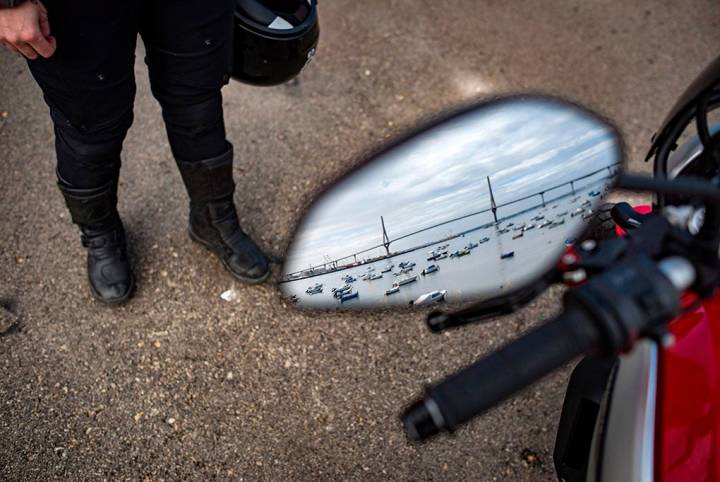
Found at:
[490, 380]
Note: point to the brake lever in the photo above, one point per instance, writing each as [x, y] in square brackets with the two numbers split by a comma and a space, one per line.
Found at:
[438, 321]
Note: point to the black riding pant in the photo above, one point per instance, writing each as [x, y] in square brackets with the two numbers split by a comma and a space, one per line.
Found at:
[89, 82]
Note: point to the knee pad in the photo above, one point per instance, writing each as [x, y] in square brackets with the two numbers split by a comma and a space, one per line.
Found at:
[194, 120]
[89, 156]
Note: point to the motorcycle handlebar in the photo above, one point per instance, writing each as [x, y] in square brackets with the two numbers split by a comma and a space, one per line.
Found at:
[490, 380]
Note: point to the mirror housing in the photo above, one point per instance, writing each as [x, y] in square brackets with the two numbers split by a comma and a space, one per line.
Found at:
[476, 206]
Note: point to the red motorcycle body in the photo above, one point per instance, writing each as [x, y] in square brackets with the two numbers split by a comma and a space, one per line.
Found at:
[688, 400]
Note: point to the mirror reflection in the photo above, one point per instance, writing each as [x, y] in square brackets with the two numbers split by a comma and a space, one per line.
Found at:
[476, 206]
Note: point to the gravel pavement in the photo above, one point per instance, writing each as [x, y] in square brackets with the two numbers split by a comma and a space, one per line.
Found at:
[180, 384]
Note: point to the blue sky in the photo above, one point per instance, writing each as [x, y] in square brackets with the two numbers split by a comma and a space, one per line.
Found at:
[524, 145]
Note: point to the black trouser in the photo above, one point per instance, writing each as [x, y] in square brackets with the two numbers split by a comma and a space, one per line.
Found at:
[89, 82]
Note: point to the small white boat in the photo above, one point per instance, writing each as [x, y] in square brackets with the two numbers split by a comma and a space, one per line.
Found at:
[430, 269]
[460, 252]
[405, 281]
[348, 296]
[374, 276]
[503, 231]
[518, 235]
[442, 256]
[562, 213]
[430, 298]
[342, 288]
[577, 212]
[441, 247]
[545, 223]
[529, 227]
[341, 291]
[484, 240]
[392, 290]
[511, 254]
[348, 278]
[519, 228]
[471, 245]
[557, 223]
[315, 289]
[539, 217]
[387, 268]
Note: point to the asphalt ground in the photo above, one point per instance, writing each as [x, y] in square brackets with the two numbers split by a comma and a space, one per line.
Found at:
[180, 384]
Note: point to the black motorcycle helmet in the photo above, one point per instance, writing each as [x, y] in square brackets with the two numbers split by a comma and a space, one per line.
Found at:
[274, 39]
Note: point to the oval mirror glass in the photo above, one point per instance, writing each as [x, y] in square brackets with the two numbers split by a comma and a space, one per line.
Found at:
[477, 205]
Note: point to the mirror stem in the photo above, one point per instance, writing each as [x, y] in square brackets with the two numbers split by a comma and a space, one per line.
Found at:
[686, 186]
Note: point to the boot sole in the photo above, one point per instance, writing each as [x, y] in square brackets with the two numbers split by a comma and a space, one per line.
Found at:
[209, 247]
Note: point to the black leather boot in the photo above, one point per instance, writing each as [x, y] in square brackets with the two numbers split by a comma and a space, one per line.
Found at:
[213, 219]
[108, 268]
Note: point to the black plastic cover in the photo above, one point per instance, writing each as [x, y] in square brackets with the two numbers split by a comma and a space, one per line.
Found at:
[705, 81]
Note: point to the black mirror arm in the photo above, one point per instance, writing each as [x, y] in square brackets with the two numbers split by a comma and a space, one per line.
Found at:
[438, 321]
[683, 186]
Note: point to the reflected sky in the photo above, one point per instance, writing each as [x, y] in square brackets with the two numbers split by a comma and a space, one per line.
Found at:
[525, 146]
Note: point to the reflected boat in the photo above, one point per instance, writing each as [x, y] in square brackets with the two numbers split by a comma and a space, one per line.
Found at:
[405, 281]
[315, 289]
[348, 296]
[342, 288]
[342, 291]
[460, 252]
[430, 298]
[393, 290]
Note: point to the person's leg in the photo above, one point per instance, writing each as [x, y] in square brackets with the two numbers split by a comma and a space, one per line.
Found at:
[189, 49]
[89, 87]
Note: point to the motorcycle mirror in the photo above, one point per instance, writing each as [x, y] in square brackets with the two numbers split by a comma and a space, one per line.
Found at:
[478, 204]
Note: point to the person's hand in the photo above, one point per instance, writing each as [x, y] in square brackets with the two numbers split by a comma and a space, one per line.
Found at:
[25, 29]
